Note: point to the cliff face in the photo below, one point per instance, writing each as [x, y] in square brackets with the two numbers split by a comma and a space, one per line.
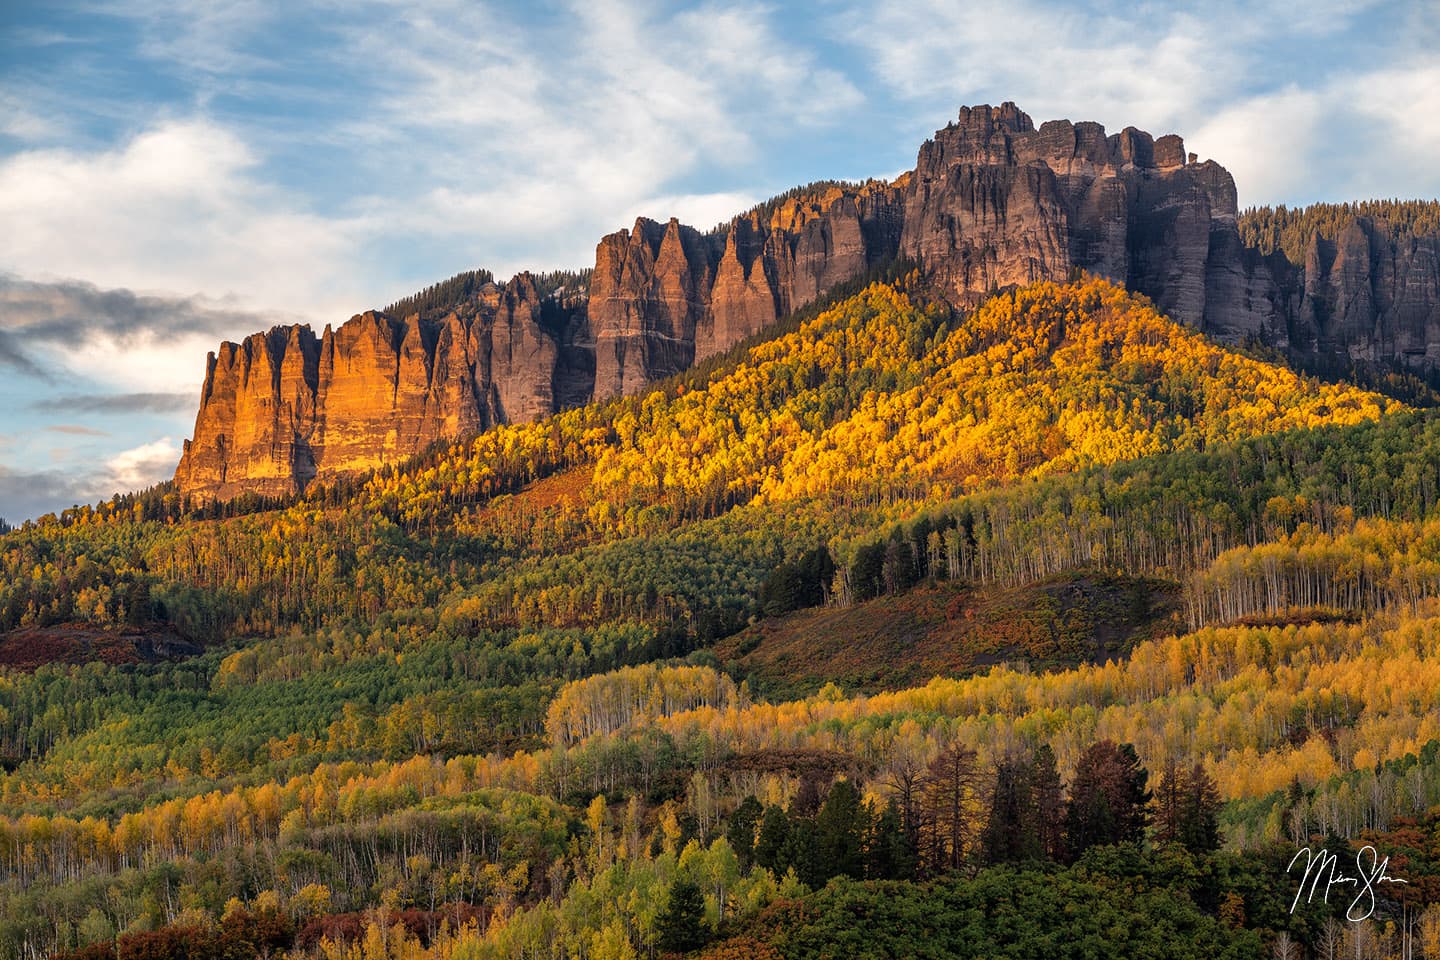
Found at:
[1372, 297]
[996, 202]
[284, 407]
[992, 201]
[662, 297]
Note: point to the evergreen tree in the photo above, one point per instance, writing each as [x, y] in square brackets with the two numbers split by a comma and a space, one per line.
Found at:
[681, 925]
[1049, 796]
[689, 830]
[1011, 832]
[802, 852]
[797, 584]
[840, 830]
[890, 851]
[1200, 823]
[807, 798]
[1187, 808]
[1108, 799]
[948, 811]
[770, 844]
[741, 831]
[867, 571]
[1168, 802]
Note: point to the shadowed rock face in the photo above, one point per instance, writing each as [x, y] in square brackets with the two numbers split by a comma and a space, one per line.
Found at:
[995, 202]
[662, 297]
[992, 201]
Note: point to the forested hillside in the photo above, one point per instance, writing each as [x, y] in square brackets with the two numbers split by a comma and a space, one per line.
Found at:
[497, 701]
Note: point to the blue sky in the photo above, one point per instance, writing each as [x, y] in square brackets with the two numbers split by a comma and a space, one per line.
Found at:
[178, 172]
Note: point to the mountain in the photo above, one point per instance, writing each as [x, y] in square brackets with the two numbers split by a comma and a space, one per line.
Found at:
[476, 701]
[846, 416]
[992, 202]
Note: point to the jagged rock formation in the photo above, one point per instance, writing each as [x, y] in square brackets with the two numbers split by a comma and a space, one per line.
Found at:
[996, 202]
[992, 201]
[662, 297]
[284, 407]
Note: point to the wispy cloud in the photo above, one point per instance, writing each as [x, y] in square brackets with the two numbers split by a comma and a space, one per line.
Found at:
[16, 358]
[1331, 100]
[76, 430]
[117, 403]
[138, 467]
[550, 134]
[1367, 145]
[174, 208]
[19, 120]
[205, 38]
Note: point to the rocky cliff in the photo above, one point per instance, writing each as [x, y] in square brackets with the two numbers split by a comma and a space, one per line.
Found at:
[992, 201]
[285, 407]
[995, 202]
[662, 297]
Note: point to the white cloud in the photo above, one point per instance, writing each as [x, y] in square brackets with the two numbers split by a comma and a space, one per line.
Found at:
[1401, 103]
[26, 494]
[138, 467]
[699, 210]
[205, 37]
[1055, 60]
[543, 138]
[1263, 141]
[18, 120]
[54, 332]
[174, 208]
[491, 141]
[1278, 144]
[1291, 100]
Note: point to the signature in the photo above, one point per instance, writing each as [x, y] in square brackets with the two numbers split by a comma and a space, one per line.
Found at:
[1322, 871]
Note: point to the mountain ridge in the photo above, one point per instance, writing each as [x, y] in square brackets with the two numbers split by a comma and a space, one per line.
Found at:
[992, 202]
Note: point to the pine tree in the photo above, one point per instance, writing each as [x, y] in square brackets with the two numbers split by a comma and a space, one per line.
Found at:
[1049, 796]
[1011, 832]
[890, 851]
[681, 925]
[770, 844]
[741, 831]
[948, 809]
[840, 829]
[1187, 807]
[807, 798]
[1200, 825]
[1168, 803]
[802, 852]
[1108, 799]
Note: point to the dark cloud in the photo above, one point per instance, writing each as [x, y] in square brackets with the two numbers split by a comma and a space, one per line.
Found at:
[67, 312]
[26, 495]
[16, 359]
[118, 403]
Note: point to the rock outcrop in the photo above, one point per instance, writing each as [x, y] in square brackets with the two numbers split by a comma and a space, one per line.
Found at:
[285, 407]
[995, 202]
[992, 201]
[1372, 297]
[662, 297]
